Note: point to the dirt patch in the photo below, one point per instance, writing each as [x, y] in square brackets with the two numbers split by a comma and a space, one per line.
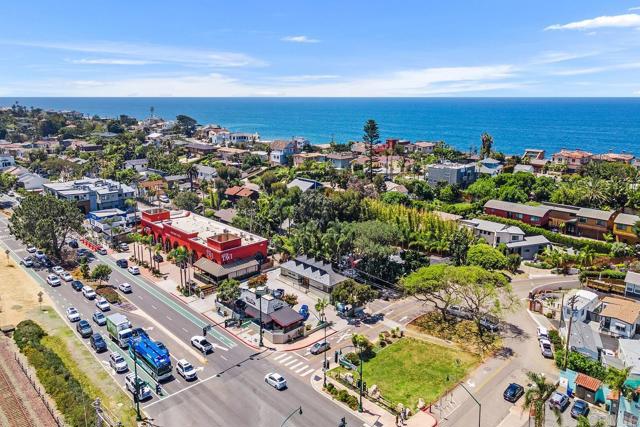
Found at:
[18, 293]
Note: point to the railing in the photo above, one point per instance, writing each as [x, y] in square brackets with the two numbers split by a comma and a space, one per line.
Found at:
[601, 285]
[43, 396]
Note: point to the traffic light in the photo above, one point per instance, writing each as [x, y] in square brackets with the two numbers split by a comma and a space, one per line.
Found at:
[335, 356]
[343, 422]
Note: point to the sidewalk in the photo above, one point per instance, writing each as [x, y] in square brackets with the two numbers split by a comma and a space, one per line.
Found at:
[372, 414]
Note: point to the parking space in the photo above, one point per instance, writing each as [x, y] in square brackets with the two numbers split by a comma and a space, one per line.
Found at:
[565, 416]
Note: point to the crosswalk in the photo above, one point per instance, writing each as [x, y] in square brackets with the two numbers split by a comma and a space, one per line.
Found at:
[292, 362]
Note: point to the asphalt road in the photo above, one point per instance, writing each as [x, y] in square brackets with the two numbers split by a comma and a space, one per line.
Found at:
[230, 389]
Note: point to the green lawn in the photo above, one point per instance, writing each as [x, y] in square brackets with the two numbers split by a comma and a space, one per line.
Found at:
[411, 369]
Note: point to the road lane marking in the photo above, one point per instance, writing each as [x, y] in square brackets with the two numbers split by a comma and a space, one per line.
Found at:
[170, 319]
[403, 318]
[280, 356]
[292, 367]
[304, 374]
[219, 346]
[302, 369]
[290, 362]
[181, 391]
[140, 296]
[224, 358]
[185, 330]
[285, 359]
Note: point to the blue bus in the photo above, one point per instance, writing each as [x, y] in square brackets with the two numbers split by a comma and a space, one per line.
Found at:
[153, 358]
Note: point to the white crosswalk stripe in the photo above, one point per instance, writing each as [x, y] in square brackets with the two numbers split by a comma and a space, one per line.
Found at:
[290, 362]
[285, 359]
[280, 356]
[302, 369]
[292, 367]
[297, 365]
[304, 374]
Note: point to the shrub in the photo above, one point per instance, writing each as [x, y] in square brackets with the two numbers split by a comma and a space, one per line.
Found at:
[579, 363]
[604, 274]
[555, 339]
[353, 358]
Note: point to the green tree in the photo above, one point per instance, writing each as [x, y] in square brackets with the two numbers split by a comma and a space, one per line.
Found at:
[187, 124]
[584, 422]
[485, 256]
[101, 272]
[7, 182]
[180, 256]
[371, 137]
[487, 144]
[228, 291]
[459, 243]
[45, 222]
[513, 262]
[616, 379]
[191, 170]
[354, 293]
[187, 200]
[537, 393]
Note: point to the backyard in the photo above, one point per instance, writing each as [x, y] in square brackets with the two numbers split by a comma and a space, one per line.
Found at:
[410, 369]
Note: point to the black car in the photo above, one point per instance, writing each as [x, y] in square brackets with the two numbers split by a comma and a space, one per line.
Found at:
[46, 263]
[84, 329]
[122, 263]
[98, 343]
[513, 392]
[580, 408]
[73, 243]
[158, 258]
[77, 285]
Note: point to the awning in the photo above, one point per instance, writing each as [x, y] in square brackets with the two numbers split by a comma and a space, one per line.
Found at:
[286, 317]
[620, 325]
[255, 313]
[218, 270]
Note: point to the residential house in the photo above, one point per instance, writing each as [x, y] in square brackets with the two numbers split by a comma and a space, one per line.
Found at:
[237, 138]
[28, 180]
[583, 340]
[281, 151]
[236, 193]
[533, 153]
[513, 237]
[629, 354]
[91, 194]
[623, 228]
[489, 166]
[263, 155]
[360, 148]
[424, 147]
[341, 160]
[140, 165]
[538, 164]
[174, 181]
[578, 304]
[589, 389]
[311, 274]
[206, 173]
[304, 184]
[232, 154]
[451, 173]
[393, 187]
[523, 168]
[632, 285]
[562, 217]
[619, 316]
[226, 215]
[532, 215]
[300, 158]
[81, 145]
[626, 158]
[574, 160]
[200, 149]
[7, 161]
[594, 223]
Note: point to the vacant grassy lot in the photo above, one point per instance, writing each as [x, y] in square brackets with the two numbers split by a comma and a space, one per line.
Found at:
[411, 369]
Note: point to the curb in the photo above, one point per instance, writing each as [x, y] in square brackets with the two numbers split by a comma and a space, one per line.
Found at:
[235, 335]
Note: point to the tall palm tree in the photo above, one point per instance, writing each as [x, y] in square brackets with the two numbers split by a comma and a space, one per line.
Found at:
[616, 379]
[191, 170]
[536, 396]
[180, 256]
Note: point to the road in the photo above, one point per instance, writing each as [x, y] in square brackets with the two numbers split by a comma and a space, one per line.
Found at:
[230, 389]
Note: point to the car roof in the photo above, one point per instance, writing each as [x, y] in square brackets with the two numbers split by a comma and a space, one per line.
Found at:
[277, 376]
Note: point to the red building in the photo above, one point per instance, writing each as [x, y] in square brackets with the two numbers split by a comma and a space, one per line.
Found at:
[204, 237]
[533, 215]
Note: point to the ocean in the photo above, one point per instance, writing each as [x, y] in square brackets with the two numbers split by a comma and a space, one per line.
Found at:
[593, 124]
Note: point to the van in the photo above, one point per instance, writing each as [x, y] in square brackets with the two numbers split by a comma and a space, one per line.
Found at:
[542, 332]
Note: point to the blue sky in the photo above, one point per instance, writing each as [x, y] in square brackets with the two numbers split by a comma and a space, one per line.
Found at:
[320, 48]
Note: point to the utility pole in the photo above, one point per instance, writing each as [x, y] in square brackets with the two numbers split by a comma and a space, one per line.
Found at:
[361, 382]
[296, 411]
[136, 396]
[260, 305]
[476, 400]
[566, 349]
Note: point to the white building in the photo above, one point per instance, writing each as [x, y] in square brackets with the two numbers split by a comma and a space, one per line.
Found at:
[580, 302]
[494, 232]
[7, 162]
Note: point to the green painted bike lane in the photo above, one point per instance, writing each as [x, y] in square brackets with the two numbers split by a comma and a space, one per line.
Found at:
[170, 302]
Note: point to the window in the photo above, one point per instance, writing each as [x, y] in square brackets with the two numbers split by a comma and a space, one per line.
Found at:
[600, 222]
[535, 218]
[621, 227]
[582, 219]
[515, 237]
[519, 216]
[629, 419]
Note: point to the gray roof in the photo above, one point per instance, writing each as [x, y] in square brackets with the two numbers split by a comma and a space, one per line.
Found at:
[517, 208]
[632, 277]
[314, 270]
[629, 353]
[523, 168]
[627, 219]
[595, 214]
[490, 161]
[136, 162]
[583, 337]
[304, 184]
[529, 241]
[206, 169]
[176, 177]
[493, 227]
[285, 316]
[448, 165]
[218, 270]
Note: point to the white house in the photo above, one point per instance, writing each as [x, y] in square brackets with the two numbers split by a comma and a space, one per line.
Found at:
[620, 316]
[494, 232]
[632, 284]
[578, 304]
[7, 162]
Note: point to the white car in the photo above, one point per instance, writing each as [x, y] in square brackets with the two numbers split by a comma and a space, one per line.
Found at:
[275, 380]
[73, 315]
[118, 363]
[186, 370]
[144, 392]
[58, 270]
[101, 250]
[66, 276]
[53, 280]
[103, 304]
[88, 292]
[201, 344]
[40, 255]
[125, 287]
[163, 198]
[542, 332]
[545, 348]
[133, 269]
[31, 249]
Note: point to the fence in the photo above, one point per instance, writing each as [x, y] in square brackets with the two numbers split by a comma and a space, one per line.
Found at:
[38, 388]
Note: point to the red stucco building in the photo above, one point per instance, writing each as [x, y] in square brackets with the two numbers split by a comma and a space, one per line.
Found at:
[205, 238]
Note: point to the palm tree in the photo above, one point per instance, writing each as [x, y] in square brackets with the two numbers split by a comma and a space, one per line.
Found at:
[180, 256]
[536, 396]
[192, 172]
[616, 379]
[584, 422]
[586, 256]
[132, 203]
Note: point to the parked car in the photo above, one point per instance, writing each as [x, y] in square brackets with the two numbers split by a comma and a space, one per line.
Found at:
[88, 292]
[320, 347]
[84, 329]
[58, 270]
[117, 362]
[158, 258]
[490, 323]
[304, 311]
[201, 344]
[276, 381]
[513, 392]
[99, 318]
[459, 312]
[73, 243]
[542, 332]
[66, 276]
[103, 304]
[101, 250]
[31, 249]
[125, 287]
[46, 262]
[77, 285]
[53, 280]
[559, 400]
[82, 252]
[545, 348]
[98, 343]
[122, 263]
[133, 269]
[186, 370]
[144, 391]
[580, 408]
[123, 247]
[40, 255]
[27, 262]
[72, 314]
[278, 293]
[164, 198]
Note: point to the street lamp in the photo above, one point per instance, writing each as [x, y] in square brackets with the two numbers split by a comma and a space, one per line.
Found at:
[360, 372]
[325, 366]
[136, 396]
[298, 410]
[476, 400]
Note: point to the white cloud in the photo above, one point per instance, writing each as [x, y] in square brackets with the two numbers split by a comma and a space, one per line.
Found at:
[616, 21]
[553, 57]
[306, 78]
[631, 9]
[594, 70]
[107, 61]
[151, 53]
[300, 39]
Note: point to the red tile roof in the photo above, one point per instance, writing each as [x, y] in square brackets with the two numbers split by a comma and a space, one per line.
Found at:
[590, 383]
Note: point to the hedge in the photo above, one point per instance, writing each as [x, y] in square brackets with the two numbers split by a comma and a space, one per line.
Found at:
[561, 239]
[604, 274]
[71, 399]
